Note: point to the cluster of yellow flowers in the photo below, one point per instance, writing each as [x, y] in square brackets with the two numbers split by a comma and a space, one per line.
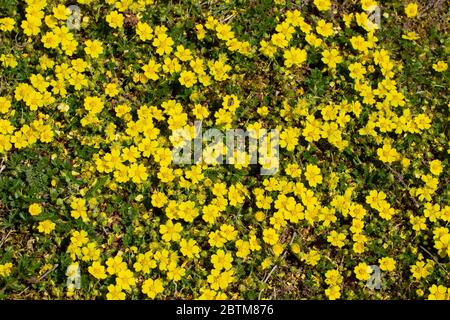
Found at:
[137, 223]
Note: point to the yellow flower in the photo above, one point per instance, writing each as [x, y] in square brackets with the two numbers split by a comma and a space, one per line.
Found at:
[331, 58]
[183, 54]
[46, 226]
[421, 270]
[358, 43]
[152, 287]
[270, 236]
[289, 138]
[440, 66]
[137, 173]
[259, 216]
[5, 269]
[357, 70]
[215, 240]
[220, 279]
[438, 293]
[171, 231]
[35, 209]
[79, 210]
[222, 260]
[228, 232]
[93, 48]
[97, 270]
[115, 19]
[219, 70]
[111, 89]
[324, 28]
[411, 35]
[323, 5]
[333, 292]
[313, 175]
[422, 121]
[79, 238]
[200, 112]
[418, 223]
[411, 10]
[144, 31]
[8, 60]
[171, 65]
[267, 49]
[405, 162]
[277, 249]
[266, 263]
[436, 167]
[165, 174]
[313, 40]
[387, 264]
[175, 273]
[243, 248]
[311, 258]
[115, 265]
[79, 65]
[189, 248]
[31, 26]
[188, 79]
[93, 104]
[294, 56]
[125, 279]
[385, 210]
[90, 252]
[50, 40]
[61, 12]
[200, 31]
[367, 4]
[293, 170]
[388, 154]
[5, 104]
[159, 199]
[333, 277]
[362, 271]
[163, 44]
[151, 69]
[7, 24]
[336, 239]
[115, 293]
[375, 199]
[224, 32]
[279, 40]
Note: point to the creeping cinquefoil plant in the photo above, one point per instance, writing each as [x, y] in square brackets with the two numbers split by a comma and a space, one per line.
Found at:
[231, 149]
